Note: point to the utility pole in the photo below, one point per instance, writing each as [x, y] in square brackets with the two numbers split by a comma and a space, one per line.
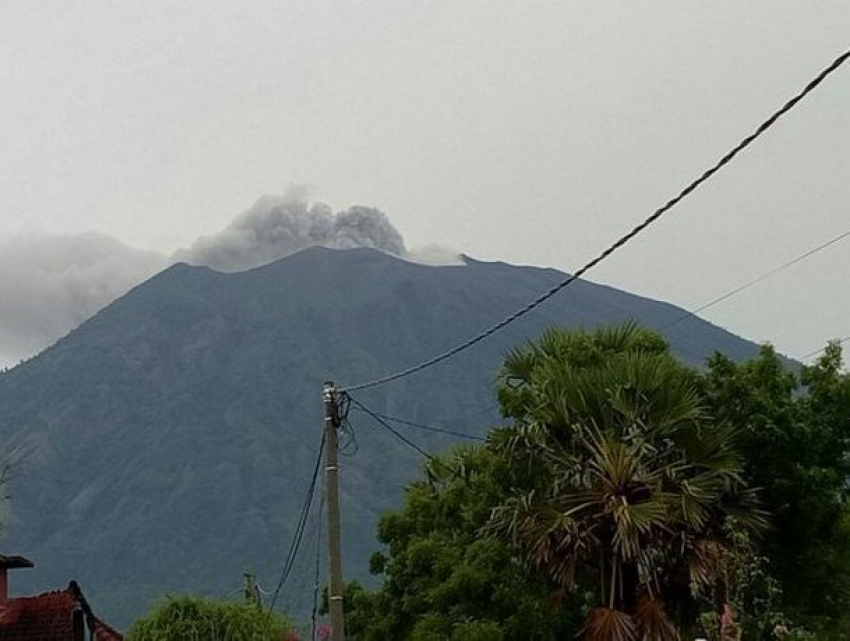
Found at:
[335, 588]
[252, 592]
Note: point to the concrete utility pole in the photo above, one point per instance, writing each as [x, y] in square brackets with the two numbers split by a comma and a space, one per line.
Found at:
[335, 588]
[252, 593]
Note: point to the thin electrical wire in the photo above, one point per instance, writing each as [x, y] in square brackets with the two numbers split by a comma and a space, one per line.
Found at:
[391, 429]
[658, 213]
[300, 525]
[377, 418]
[756, 281]
[297, 591]
[349, 446]
[315, 611]
[806, 357]
[429, 428]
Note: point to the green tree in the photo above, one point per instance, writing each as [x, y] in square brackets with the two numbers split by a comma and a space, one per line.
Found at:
[190, 618]
[793, 432]
[639, 482]
[612, 486]
[624, 498]
[444, 579]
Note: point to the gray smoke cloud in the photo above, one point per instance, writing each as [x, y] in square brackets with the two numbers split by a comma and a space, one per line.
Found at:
[51, 283]
[277, 226]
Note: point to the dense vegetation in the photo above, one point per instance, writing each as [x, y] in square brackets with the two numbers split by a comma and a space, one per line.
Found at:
[629, 497]
[189, 618]
[793, 433]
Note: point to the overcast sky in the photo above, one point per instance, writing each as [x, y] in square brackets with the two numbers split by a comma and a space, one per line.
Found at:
[531, 132]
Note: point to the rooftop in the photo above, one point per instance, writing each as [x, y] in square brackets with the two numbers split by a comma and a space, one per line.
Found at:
[61, 615]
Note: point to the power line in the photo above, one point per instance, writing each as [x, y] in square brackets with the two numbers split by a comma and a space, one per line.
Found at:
[818, 351]
[658, 213]
[429, 428]
[755, 281]
[318, 566]
[297, 589]
[377, 418]
[300, 526]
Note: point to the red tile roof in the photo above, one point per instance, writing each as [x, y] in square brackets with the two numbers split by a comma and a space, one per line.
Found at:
[103, 632]
[53, 616]
[46, 617]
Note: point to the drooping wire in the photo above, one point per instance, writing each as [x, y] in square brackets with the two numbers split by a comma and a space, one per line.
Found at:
[658, 213]
[429, 428]
[343, 404]
[348, 445]
[806, 357]
[348, 441]
[434, 460]
[297, 590]
[756, 281]
[315, 611]
[300, 525]
[377, 418]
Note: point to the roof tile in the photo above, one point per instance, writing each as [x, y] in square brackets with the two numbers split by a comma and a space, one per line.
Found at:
[52, 616]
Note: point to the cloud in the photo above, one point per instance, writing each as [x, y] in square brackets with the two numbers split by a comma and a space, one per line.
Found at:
[434, 255]
[277, 226]
[51, 283]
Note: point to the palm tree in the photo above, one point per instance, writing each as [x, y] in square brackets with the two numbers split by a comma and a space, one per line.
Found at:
[638, 481]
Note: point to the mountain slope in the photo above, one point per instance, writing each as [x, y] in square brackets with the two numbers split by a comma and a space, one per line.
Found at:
[168, 441]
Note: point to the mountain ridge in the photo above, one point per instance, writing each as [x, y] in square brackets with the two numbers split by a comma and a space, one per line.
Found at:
[169, 438]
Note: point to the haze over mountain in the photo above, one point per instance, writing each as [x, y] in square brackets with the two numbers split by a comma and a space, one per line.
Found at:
[166, 443]
[53, 282]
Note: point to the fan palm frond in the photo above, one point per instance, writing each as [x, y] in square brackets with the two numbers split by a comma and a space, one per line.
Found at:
[608, 624]
[652, 621]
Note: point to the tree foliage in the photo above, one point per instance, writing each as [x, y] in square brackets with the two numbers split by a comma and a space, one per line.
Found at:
[190, 618]
[795, 436]
[629, 497]
[444, 579]
[639, 481]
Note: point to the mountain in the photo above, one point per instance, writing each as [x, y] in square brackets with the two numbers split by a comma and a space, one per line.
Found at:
[166, 444]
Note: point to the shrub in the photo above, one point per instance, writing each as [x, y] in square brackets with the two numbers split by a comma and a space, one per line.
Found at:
[191, 618]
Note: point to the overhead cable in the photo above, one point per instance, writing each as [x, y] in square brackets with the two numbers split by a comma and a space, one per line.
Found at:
[315, 610]
[300, 525]
[658, 213]
[429, 428]
[377, 418]
[806, 357]
[755, 281]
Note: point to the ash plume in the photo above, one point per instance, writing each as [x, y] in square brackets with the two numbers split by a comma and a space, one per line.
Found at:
[52, 282]
[277, 226]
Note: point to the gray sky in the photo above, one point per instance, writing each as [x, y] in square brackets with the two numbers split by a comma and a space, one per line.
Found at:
[531, 132]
